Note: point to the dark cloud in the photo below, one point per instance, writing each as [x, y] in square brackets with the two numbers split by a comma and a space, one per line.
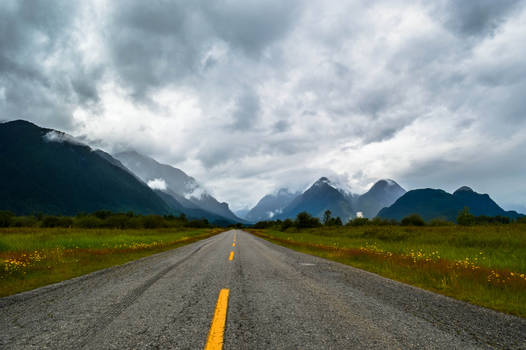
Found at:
[481, 17]
[281, 126]
[157, 44]
[39, 67]
[251, 25]
[247, 110]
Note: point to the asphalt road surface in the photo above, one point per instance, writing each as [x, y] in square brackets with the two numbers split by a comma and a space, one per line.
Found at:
[272, 298]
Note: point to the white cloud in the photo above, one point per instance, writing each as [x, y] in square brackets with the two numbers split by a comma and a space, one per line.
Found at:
[157, 184]
[54, 136]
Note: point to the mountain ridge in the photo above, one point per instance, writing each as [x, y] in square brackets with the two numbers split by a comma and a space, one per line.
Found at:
[318, 198]
[45, 170]
[184, 188]
[436, 203]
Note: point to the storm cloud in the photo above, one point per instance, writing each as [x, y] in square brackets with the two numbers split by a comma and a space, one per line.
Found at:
[250, 96]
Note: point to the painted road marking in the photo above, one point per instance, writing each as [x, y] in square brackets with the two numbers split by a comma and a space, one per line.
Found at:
[233, 244]
[217, 329]
[231, 257]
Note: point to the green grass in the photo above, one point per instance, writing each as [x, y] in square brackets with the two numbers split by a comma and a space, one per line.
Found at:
[34, 257]
[484, 265]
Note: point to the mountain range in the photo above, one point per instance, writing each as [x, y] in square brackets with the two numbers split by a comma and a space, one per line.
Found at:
[435, 203]
[385, 199]
[48, 171]
[325, 195]
[271, 205]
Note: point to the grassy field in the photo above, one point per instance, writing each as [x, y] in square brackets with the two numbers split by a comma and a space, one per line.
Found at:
[483, 265]
[34, 257]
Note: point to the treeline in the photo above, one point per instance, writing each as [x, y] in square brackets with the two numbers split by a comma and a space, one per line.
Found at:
[101, 219]
[306, 220]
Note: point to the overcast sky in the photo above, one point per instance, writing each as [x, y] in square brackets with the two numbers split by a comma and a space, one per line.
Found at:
[249, 96]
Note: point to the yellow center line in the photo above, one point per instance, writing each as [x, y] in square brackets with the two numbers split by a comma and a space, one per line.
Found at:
[234, 244]
[217, 329]
[231, 257]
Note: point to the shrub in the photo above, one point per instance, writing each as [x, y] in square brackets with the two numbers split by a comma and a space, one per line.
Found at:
[122, 221]
[358, 222]
[413, 220]
[378, 221]
[485, 220]
[263, 224]
[24, 221]
[203, 223]
[6, 218]
[88, 222]
[56, 221]
[153, 221]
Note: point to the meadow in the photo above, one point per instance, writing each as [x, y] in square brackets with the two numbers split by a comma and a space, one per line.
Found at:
[32, 257]
[483, 264]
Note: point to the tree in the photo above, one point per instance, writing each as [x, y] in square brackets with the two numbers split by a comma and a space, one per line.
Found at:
[465, 218]
[286, 224]
[305, 220]
[327, 217]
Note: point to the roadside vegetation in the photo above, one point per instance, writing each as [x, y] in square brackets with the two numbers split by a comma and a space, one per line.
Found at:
[481, 261]
[48, 249]
[101, 219]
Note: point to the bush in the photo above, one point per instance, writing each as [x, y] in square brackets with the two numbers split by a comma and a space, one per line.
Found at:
[203, 223]
[485, 220]
[358, 222]
[88, 222]
[263, 224]
[153, 221]
[413, 220]
[521, 220]
[122, 221]
[24, 221]
[378, 221]
[6, 218]
[56, 221]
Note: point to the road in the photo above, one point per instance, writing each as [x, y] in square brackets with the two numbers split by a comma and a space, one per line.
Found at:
[273, 298]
